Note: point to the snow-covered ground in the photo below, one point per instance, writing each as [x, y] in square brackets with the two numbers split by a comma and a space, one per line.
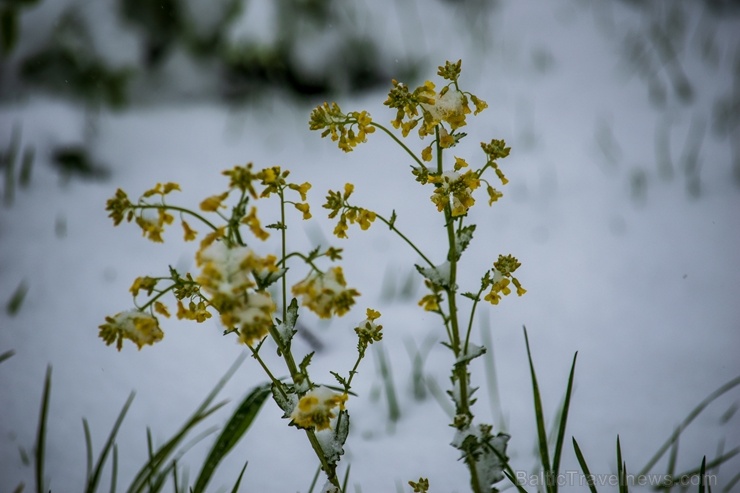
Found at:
[633, 270]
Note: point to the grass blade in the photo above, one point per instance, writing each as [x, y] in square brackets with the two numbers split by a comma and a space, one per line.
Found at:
[236, 427]
[564, 419]
[702, 473]
[235, 489]
[88, 448]
[41, 433]
[539, 415]
[6, 355]
[621, 470]
[16, 300]
[152, 468]
[584, 467]
[92, 481]
[114, 470]
[693, 414]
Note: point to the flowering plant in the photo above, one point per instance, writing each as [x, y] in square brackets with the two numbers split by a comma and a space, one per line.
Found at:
[236, 282]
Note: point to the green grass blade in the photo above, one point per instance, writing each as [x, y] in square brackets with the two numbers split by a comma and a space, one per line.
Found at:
[693, 414]
[236, 427]
[702, 473]
[114, 470]
[621, 470]
[6, 355]
[235, 489]
[41, 433]
[346, 480]
[731, 483]
[712, 464]
[92, 481]
[584, 467]
[88, 448]
[16, 300]
[563, 419]
[153, 467]
[673, 458]
[315, 479]
[539, 415]
[394, 411]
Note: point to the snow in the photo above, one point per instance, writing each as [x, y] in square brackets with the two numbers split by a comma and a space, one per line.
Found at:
[633, 270]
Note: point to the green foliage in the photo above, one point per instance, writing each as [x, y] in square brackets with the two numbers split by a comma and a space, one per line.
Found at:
[234, 430]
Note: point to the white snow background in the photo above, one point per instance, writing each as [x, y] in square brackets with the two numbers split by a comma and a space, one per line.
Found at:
[631, 270]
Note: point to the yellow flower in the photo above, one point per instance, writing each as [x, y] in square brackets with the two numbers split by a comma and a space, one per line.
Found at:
[190, 234]
[502, 278]
[326, 293]
[139, 327]
[455, 190]
[316, 408]
[493, 195]
[161, 308]
[153, 226]
[449, 106]
[480, 105]
[146, 282]
[227, 276]
[213, 203]
[426, 153]
[304, 209]
[255, 227]
[368, 331]
[301, 189]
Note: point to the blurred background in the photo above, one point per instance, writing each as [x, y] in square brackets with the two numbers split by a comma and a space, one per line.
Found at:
[624, 123]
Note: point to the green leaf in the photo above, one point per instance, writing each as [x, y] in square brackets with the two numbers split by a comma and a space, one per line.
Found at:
[16, 301]
[155, 468]
[584, 466]
[235, 429]
[539, 415]
[94, 478]
[305, 362]
[563, 418]
[392, 220]
[6, 355]
[41, 433]
[235, 489]
[689, 418]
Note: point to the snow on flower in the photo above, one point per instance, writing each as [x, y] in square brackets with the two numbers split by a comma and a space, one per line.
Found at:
[316, 408]
[134, 325]
[324, 293]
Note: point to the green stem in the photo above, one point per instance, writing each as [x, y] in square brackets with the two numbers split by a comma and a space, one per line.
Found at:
[470, 322]
[179, 209]
[404, 238]
[460, 370]
[284, 248]
[399, 142]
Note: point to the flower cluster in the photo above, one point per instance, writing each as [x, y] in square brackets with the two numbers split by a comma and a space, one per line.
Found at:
[341, 127]
[150, 218]
[326, 293]
[368, 331]
[455, 190]
[316, 408]
[227, 275]
[337, 203]
[502, 277]
[139, 327]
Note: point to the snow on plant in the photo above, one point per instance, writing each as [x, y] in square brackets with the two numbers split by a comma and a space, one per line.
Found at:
[439, 116]
[234, 280]
[233, 283]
